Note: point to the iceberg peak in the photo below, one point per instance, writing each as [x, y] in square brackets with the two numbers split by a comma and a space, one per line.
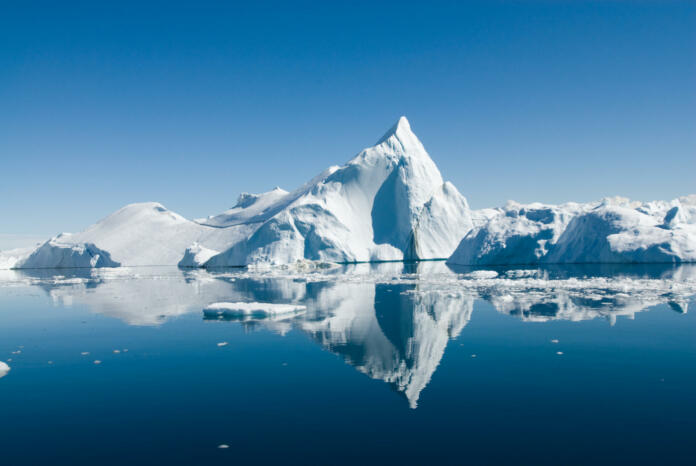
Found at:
[400, 136]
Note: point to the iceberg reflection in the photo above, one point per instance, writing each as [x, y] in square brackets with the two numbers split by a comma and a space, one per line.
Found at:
[390, 321]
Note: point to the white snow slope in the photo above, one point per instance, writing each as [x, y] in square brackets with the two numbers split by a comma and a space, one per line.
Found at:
[614, 230]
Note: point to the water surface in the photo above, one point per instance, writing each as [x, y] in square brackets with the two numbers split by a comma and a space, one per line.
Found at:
[395, 363]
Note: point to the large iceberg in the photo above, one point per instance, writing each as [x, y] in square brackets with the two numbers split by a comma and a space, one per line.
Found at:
[614, 230]
[388, 203]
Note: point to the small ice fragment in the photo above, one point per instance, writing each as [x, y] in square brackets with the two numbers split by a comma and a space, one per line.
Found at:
[85, 353]
[481, 274]
[97, 361]
[554, 341]
[4, 369]
[17, 352]
[223, 446]
[50, 362]
[560, 353]
[222, 343]
[9, 359]
[117, 351]
[125, 350]
[473, 355]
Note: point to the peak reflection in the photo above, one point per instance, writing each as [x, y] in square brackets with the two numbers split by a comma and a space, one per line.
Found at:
[390, 321]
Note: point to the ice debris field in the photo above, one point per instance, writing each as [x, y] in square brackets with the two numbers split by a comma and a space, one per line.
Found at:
[388, 203]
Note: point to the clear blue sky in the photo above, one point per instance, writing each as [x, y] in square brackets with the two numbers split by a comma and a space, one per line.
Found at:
[191, 104]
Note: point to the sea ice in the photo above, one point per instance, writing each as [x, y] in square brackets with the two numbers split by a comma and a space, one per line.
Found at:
[4, 369]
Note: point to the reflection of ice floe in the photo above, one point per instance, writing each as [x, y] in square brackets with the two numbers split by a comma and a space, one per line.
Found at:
[4, 369]
[390, 321]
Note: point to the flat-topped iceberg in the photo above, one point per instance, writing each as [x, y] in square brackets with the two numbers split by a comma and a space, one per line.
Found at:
[614, 230]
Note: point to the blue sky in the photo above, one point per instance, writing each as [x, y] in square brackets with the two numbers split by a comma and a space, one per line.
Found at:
[191, 104]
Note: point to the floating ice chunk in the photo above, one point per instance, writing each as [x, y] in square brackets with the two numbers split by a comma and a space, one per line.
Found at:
[257, 310]
[97, 361]
[554, 341]
[4, 369]
[223, 343]
[481, 274]
[223, 446]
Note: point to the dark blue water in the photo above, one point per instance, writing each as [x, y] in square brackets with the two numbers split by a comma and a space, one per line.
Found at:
[376, 370]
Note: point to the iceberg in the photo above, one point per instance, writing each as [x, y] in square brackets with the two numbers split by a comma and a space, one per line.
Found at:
[615, 230]
[196, 255]
[388, 203]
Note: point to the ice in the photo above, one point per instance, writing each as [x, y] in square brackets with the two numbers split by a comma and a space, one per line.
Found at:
[196, 255]
[388, 203]
[390, 321]
[251, 309]
[56, 253]
[4, 369]
[615, 230]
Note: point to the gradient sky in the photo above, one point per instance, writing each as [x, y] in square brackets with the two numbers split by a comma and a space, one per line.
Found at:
[190, 104]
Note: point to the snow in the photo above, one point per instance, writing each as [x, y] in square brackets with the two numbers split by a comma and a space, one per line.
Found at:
[388, 203]
[4, 369]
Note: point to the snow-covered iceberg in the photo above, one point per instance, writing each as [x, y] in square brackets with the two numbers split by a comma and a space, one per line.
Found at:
[614, 230]
[55, 253]
[388, 203]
